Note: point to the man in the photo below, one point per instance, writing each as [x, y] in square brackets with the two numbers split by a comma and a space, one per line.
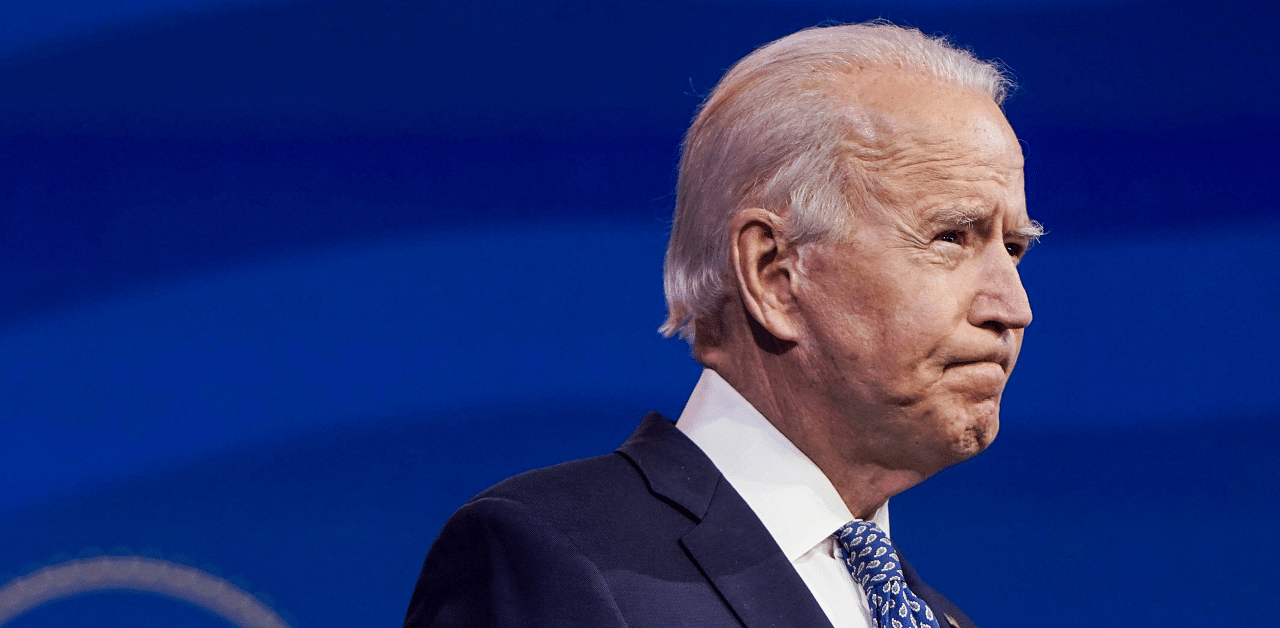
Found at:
[843, 259]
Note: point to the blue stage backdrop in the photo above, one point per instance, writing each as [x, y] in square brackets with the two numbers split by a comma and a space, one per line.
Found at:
[284, 283]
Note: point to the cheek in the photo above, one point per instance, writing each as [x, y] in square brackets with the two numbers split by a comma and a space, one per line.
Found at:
[895, 338]
[945, 297]
[922, 321]
[911, 349]
[884, 328]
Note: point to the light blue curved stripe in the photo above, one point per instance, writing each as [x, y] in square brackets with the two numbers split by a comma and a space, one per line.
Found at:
[26, 24]
[439, 325]
[1167, 330]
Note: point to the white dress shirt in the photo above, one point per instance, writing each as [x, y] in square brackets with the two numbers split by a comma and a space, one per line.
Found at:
[787, 491]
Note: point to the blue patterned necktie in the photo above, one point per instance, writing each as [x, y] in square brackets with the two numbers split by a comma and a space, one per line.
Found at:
[876, 567]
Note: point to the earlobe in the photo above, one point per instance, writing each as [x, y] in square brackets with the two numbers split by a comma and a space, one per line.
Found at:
[764, 265]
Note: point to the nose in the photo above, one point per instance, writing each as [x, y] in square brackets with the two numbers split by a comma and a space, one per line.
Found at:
[1001, 302]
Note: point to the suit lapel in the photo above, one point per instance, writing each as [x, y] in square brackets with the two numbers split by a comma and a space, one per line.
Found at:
[739, 557]
[675, 469]
[729, 543]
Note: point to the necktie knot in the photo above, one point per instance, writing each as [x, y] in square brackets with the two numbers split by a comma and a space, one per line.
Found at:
[875, 566]
[870, 556]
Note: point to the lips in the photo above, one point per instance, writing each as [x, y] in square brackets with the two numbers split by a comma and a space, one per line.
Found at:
[954, 365]
[997, 357]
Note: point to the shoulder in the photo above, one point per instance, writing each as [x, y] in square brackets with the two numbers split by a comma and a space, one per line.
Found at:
[498, 564]
[574, 484]
[602, 510]
[573, 478]
[657, 479]
[592, 504]
[555, 546]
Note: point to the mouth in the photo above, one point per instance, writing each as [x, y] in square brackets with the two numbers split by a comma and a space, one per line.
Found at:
[999, 360]
[955, 365]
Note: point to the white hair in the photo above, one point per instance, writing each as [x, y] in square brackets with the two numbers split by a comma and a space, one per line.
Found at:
[775, 133]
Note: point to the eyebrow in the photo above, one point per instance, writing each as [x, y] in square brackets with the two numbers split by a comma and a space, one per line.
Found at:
[960, 217]
[967, 217]
[1031, 232]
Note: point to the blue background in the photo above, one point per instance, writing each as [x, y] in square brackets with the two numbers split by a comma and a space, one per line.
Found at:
[284, 283]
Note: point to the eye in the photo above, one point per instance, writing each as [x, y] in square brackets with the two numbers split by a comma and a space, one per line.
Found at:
[1015, 249]
[950, 236]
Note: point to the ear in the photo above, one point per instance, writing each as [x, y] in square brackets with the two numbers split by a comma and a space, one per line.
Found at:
[765, 268]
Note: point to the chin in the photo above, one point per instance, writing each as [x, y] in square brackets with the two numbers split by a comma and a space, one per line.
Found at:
[975, 433]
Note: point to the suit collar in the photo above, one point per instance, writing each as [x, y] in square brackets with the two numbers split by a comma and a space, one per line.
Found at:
[730, 545]
[673, 466]
[793, 497]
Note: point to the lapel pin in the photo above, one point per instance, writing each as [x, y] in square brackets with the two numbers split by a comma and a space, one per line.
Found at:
[952, 621]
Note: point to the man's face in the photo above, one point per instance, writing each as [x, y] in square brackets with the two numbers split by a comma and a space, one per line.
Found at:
[913, 325]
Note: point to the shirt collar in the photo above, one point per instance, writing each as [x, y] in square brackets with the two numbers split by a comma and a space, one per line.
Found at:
[788, 492]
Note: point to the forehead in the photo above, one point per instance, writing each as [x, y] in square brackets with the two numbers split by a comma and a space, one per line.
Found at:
[910, 110]
[930, 141]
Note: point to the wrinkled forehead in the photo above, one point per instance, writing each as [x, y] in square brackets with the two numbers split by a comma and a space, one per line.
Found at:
[900, 119]
[925, 144]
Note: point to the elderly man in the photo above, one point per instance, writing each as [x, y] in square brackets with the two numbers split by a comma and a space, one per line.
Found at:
[849, 221]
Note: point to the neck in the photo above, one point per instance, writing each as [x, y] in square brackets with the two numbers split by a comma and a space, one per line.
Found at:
[846, 446]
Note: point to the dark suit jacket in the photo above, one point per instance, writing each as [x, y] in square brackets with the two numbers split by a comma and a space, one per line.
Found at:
[651, 535]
